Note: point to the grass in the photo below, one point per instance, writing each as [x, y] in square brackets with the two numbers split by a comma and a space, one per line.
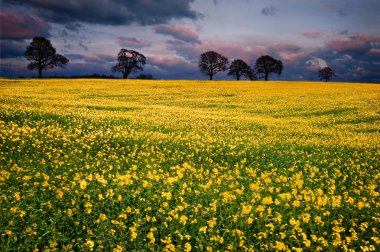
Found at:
[189, 165]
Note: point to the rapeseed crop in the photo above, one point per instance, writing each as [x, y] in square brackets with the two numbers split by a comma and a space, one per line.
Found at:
[123, 165]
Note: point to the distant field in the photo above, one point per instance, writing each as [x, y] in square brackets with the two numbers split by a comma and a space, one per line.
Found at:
[189, 165]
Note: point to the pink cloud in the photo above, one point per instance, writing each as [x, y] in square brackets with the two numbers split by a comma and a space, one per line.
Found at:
[17, 26]
[293, 57]
[160, 60]
[285, 47]
[229, 49]
[181, 32]
[132, 42]
[249, 53]
[314, 34]
[358, 43]
[368, 38]
[375, 50]
[347, 44]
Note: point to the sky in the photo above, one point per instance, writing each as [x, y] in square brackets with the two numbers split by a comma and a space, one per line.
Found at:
[304, 34]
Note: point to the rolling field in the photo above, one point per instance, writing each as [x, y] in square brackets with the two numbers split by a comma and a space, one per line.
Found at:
[132, 165]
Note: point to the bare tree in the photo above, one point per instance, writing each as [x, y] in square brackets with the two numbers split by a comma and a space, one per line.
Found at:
[43, 55]
[211, 63]
[326, 73]
[129, 61]
[239, 68]
[267, 65]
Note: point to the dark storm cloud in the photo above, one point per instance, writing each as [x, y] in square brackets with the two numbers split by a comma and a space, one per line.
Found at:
[19, 26]
[112, 12]
[359, 54]
[357, 45]
[269, 11]
[354, 58]
[12, 49]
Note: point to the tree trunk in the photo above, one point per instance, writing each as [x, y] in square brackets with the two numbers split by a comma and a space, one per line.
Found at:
[266, 77]
[237, 77]
[125, 75]
[40, 72]
[210, 76]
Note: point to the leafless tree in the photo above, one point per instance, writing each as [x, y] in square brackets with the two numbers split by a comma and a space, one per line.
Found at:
[239, 68]
[267, 65]
[129, 61]
[326, 73]
[211, 63]
[43, 55]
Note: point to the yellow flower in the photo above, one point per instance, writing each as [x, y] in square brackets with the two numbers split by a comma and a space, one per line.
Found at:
[117, 249]
[267, 201]
[361, 205]
[187, 247]
[123, 216]
[60, 194]
[280, 246]
[150, 235]
[246, 209]
[102, 217]
[307, 243]
[211, 223]
[90, 244]
[270, 226]
[296, 203]
[337, 239]
[183, 219]
[22, 213]
[17, 196]
[306, 217]
[83, 184]
[294, 222]
[133, 233]
[203, 229]
[350, 200]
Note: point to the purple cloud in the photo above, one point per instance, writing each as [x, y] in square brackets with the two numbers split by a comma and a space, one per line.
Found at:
[132, 42]
[315, 34]
[180, 32]
[18, 26]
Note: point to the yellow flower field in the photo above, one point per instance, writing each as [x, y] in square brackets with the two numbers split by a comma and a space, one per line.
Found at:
[132, 165]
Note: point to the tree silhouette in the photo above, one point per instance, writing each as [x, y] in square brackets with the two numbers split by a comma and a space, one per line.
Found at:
[239, 68]
[267, 65]
[211, 63]
[326, 73]
[43, 56]
[129, 61]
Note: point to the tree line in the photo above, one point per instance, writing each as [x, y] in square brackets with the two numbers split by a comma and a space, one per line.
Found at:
[43, 56]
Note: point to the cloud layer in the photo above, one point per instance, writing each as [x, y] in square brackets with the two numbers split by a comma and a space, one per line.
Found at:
[19, 26]
[111, 12]
[173, 33]
[180, 32]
